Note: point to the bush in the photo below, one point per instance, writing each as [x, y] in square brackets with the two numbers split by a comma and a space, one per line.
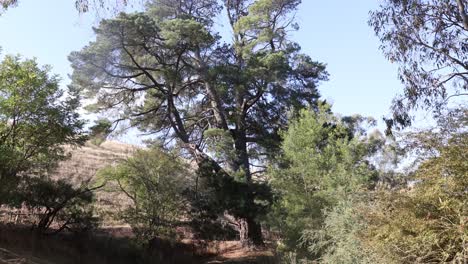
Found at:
[57, 205]
[427, 224]
[154, 183]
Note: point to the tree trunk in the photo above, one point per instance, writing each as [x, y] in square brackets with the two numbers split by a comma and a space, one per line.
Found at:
[250, 232]
[464, 16]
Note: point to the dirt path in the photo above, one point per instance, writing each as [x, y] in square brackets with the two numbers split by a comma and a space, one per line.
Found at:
[238, 256]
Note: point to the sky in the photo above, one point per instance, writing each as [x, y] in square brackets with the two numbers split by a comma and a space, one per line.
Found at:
[334, 32]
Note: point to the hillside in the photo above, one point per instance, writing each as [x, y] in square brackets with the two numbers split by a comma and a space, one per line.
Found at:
[87, 160]
[81, 169]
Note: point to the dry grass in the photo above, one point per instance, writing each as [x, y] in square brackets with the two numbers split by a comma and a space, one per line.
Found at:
[80, 169]
[87, 160]
[82, 166]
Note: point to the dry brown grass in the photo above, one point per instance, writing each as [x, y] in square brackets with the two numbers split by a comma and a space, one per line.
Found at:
[80, 169]
[82, 166]
[87, 160]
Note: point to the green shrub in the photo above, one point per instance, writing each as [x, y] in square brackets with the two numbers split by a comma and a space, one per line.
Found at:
[56, 204]
[153, 182]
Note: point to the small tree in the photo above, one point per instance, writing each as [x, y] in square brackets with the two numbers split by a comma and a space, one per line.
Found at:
[37, 119]
[154, 182]
[100, 131]
[323, 167]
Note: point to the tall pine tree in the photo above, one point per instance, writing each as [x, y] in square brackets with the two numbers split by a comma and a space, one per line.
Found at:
[167, 71]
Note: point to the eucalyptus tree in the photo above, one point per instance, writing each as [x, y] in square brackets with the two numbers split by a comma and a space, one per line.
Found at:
[428, 223]
[168, 72]
[429, 41]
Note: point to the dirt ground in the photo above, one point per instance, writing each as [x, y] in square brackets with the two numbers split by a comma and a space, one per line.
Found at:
[230, 257]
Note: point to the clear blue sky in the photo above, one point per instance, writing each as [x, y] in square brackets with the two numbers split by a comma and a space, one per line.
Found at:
[335, 32]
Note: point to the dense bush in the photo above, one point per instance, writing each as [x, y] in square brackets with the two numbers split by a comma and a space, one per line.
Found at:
[428, 223]
[330, 211]
[55, 205]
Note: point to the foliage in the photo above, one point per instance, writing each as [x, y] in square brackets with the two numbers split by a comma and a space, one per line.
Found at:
[100, 131]
[237, 110]
[428, 39]
[428, 223]
[37, 119]
[341, 236]
[154, 182]
[167, 72]
[82, 6]
[5, 4]
[321, 168]
[58, 205]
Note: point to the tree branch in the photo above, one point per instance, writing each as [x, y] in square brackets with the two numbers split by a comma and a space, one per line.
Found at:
[464, 16]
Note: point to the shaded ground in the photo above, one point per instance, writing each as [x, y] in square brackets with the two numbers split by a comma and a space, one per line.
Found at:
[19, 246]
[9, 257]
[233, 252]
[236, 257]
[231, 257]
[242, 256]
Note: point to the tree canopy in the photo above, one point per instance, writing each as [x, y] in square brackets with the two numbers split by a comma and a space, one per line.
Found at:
[82, 6]
[429, 41]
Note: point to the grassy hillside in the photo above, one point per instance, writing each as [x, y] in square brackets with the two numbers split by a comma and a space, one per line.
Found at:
[85, 162]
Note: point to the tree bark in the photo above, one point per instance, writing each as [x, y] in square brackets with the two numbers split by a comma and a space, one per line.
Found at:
[464, 16]
[250, 232]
